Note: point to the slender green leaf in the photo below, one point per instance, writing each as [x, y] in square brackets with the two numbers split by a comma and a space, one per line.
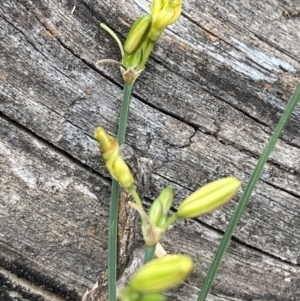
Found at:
[246, 195]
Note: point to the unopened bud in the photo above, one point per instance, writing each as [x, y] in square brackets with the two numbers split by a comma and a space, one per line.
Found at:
[107, 142]
[162, 273]
[137, 34]
[153, 297]
[164, 13]
[122, 174]
[160, 22]
[166, 198]
[208, 198]
[156, 212]
[176, 14]
[161, 206]
[156, 6]
[115, 164]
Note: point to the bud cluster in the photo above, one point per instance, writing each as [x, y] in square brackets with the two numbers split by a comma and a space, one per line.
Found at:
[154, 225]
[204, 200]
[166, 272]
[145, 31]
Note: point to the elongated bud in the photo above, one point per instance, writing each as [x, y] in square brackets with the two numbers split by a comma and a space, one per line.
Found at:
[176, 14]
[164, 13]
[156, 212]
[160, 22]
[161, 206]
[166, 198]
[137, 34]
[115, 164]
[107, 142]
[122, 174]
[162, 273]
[208, 198]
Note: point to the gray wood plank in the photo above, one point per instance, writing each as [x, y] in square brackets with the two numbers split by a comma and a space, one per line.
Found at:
[204, 108]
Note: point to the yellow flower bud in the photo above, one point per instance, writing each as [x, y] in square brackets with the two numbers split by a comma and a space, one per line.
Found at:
[164, 13]
[137, 34]
[176, 14]
[115, 164]
[160, 21]
[166, 197]
[107, 142]
[156, 212]
[121, 173]
[156, 6]
[152, 297]
[162, 273]
[161, 206]
[208, 197]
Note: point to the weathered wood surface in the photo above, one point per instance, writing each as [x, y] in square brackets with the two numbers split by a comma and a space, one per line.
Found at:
[205, 106]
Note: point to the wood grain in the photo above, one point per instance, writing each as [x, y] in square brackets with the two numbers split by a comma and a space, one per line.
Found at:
[210, 97]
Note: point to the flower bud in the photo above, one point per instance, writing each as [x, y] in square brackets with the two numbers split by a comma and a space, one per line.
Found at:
[160, 22]
[166, 197]
[164, 13]
[156, 212]
[132, 60]
[121, 173]
[162, 273]
[115, 164]
[161, 206]
[137, 34]
[208, 197]
[156, 6]
[153, 297]
[107, 142]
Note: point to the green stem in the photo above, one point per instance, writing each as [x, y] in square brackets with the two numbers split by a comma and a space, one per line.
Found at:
[111, 32]
[170, 221]
[149, 253]
[114, 202]
[136, 197]
[112, 240]
[124, 112]
[246, 195]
